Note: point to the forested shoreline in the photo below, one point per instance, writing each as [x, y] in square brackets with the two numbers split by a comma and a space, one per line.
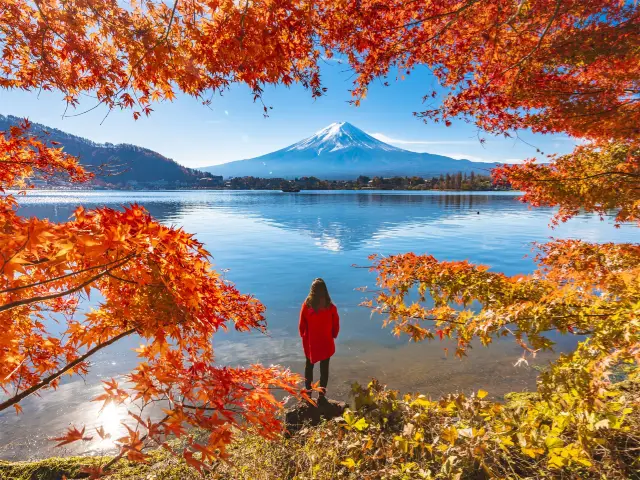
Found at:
[457, 181]
[450, 182]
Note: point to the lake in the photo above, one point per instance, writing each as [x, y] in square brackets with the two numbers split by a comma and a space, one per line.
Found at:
[273, 244]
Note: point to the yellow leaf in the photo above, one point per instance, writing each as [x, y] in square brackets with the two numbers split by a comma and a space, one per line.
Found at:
[553, 443]
[349, 463]
[360, 425]
[532, 452]
[449, 434]
[583, 461]
[507, 441]
[421, 402]
[556, 462]
[482, 393]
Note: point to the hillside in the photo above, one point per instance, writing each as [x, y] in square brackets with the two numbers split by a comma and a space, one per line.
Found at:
[343, 151]
[117, 165]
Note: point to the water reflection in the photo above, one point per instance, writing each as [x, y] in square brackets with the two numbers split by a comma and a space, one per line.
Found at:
[337, 222]
[273, 244]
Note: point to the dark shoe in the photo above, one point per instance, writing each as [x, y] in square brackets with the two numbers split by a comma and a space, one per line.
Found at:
[322, 401]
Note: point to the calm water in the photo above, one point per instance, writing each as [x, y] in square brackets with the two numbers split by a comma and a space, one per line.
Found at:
[273, 245]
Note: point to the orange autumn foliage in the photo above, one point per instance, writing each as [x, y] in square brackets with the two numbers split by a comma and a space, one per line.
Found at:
[130, 56]
[22, 156]
[550, 66]
[153, 281]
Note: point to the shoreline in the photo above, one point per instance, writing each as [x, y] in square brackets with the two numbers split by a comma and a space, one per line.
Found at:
[414, 435]
[365, 190]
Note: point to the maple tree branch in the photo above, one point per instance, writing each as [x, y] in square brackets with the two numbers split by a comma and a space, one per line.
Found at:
[553, 317]
[173, 14]
[537, 47]
[44, 17]
[17, 162]
[242, 31]
[433, 17]
[27, 301]
[118, 457]
[48, 26]
[54, 376]
[208, 409]
[574, 93]
[64, 115]
[588, 177]
[136, 65]
[70, 274]
[109, 274]
[612, 110]
[157, 44]
[430, 39]
[15, 369]
[5, 260]
[516, 13]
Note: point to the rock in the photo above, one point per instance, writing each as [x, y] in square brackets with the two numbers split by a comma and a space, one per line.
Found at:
[306, 414]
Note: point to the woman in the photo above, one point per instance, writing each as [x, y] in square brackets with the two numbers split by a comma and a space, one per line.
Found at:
[319, 327]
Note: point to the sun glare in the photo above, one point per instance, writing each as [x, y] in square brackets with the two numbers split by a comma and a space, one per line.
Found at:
[109, 419]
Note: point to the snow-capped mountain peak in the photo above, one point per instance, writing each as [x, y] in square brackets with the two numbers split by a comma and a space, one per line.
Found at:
[340, 136]
[341, 151]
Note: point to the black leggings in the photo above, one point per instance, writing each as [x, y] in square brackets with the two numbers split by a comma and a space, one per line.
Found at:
[324, 375]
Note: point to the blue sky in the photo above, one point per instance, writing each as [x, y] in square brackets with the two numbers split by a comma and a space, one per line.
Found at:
[234, 128]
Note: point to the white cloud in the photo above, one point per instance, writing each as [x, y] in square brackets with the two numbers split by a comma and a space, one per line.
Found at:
[416, 145]
[465, 156]
[475, 158]
[332, 59]
[396, 141]
[226, 112]
[567, 139]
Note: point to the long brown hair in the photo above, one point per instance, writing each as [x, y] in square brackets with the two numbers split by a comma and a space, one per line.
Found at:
[318, 295]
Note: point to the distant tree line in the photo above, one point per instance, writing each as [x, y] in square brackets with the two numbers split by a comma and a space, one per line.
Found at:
[456, 181]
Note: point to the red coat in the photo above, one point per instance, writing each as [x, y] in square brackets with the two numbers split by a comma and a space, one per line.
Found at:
[318, 330]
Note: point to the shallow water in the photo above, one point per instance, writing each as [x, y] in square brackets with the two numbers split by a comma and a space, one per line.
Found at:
[273, 245]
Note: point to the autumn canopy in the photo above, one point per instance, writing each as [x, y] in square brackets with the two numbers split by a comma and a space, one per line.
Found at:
[549, 66]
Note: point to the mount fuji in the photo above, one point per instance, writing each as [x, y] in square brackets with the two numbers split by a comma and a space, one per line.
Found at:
[343, 151]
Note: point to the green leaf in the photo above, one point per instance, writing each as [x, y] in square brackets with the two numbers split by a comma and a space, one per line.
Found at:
[349, 417]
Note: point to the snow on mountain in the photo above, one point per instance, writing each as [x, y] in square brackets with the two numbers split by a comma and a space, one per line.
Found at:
[343, 151]
[338, 136]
